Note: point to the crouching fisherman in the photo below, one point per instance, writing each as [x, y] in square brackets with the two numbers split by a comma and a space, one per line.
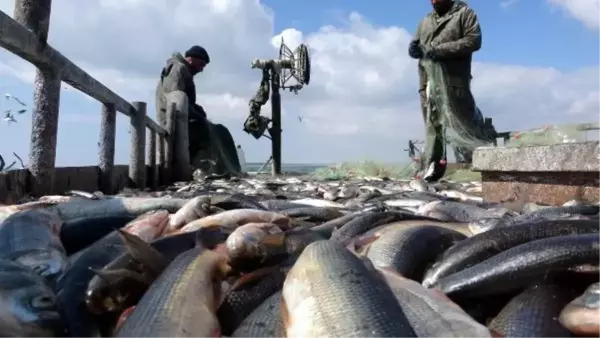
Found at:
[211, 146]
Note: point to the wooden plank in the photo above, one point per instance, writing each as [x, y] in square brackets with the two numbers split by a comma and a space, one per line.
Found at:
[20, 41]
[14, 184]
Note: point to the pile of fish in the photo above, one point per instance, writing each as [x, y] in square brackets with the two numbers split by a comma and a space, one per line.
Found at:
[298, 258]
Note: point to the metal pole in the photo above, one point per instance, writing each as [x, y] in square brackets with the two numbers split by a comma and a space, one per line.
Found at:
[275, 130]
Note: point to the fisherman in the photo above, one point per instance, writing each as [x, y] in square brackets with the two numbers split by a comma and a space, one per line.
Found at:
[208, 141]
[449, 35]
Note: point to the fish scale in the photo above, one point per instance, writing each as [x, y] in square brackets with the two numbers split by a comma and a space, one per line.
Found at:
[522, 265]
[410, 250]
[264, 321]
[482, 246]
[331, 292]
[170, 306]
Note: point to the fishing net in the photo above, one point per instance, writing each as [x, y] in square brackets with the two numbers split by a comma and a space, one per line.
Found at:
[218, 156]
[552, 134]
[462, 124]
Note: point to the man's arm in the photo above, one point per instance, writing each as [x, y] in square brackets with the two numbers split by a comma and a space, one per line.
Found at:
[469, 43]
[414, 50]
[174, 80]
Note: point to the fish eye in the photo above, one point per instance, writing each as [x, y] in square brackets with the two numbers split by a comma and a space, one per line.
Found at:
[42, 302]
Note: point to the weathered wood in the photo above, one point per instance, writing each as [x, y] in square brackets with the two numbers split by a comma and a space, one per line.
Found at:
[181, 167]
[162, 160]
[13, 184]
[153, 173]
[170, 141]
[35, 16]
[20, 41]
[108, 129]
[137, 159]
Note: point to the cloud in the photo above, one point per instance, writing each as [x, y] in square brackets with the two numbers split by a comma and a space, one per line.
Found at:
[362, 101]
[586, 11]
[507, 3]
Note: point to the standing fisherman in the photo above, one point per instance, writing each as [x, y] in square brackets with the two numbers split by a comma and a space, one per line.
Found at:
[446, 38]
[206, 139]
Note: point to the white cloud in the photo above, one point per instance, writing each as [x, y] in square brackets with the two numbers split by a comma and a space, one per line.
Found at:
[362, 101]
[587, 11]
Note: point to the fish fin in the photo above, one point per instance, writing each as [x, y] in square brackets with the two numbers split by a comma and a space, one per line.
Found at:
[210, 236]
[143, 252]
[122, 318]
[116, 275]
[285, 314]
[252, 276]
[364, 241]
[301, 222]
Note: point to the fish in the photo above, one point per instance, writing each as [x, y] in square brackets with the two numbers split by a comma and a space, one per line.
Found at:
[27, 303]
[431, 313]
[521, 265]
[123, 281]
[117, 206]
[264, 321]
[410, 251]
[312, 202]
[247, 242]
[7, 210]
[534, 312]
[331, 292]
[239, 201]
[327, 228]
[237, 217]
[582, 315]
[485, 245]
[149, 225]
[368, 221]
[247, 293]
[547, 213]
[31, 238]
[249, 247]
[279, 205]
[314, 214]
[194, 209]
[71, 287]
[183, 301]
[79, 233]
[450, 211]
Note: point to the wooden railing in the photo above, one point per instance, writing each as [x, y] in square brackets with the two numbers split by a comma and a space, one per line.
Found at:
[26, 36]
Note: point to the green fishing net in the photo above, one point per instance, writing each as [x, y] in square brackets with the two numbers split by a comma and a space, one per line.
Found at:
[460, 128]
[552, 134]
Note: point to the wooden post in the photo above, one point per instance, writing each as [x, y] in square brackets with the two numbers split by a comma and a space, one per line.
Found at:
[137, 160]
[107, 148]
[162, 144]
[153, 179]
[275, 130]
[170, 141]
[180, 137]
[35, 16]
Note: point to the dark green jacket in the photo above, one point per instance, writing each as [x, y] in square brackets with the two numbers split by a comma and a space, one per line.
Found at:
[177, 76]
[454, 36]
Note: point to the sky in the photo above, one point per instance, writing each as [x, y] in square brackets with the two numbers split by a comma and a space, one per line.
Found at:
[539, 65]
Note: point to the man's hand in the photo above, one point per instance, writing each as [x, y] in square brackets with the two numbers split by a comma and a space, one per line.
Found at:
[414, 50]
[430, 53]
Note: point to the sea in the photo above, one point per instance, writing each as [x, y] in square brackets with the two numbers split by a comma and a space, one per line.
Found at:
[300, 168]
